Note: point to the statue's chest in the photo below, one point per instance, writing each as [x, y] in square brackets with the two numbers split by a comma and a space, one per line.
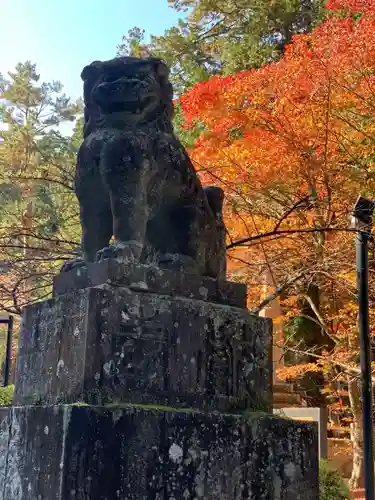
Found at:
[111, 138]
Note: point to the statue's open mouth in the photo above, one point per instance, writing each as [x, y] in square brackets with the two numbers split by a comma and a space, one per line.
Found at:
[123, 95]
[124, 106]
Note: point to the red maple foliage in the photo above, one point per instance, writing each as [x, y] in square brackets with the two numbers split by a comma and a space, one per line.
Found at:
[292, 144]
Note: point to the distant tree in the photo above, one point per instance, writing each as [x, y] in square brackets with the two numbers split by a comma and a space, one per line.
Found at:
[221, 37]
[224, 36]
[38, 211]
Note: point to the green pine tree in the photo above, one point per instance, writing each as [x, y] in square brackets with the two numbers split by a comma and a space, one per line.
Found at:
[38, 212]
[224, 36]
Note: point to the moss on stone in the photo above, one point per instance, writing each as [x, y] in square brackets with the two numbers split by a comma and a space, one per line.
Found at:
[251, 415]
[154, 407]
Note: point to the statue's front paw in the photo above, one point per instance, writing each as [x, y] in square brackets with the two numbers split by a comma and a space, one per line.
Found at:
[105, 253]
[128, 252]
[69, 265]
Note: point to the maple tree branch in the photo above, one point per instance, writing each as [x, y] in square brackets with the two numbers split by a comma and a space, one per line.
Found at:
[346, 368]
[296, 205]
[229, 185]
[268, 264]
[245, 241]
[279, 290]
[29, 247]
[315, 310]
[22, 177]
[31, 234]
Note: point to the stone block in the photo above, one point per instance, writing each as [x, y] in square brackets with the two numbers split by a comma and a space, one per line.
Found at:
[99, 345]
[172, 282]
[138, 453]
[319, 415]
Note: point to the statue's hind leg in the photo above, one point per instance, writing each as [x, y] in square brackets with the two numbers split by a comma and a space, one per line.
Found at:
[216, 261]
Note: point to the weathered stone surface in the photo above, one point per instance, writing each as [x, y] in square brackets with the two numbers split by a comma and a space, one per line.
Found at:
[31, 453]
[129, 324]
[81, 452]
[52, 349]
[118, 345]
[176, 283]
[135, 181]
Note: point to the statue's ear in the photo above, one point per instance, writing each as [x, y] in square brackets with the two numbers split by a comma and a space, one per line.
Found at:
[161, 69]
[91, 70]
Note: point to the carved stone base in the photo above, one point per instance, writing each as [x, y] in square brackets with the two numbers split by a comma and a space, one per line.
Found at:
[133, 453]
[152, 279]
[113, 344]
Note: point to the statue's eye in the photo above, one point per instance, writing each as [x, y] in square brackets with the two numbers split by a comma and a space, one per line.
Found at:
[112, 77]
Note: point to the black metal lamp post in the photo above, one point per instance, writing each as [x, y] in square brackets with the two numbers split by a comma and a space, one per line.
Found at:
[8, 354]
[362, 221]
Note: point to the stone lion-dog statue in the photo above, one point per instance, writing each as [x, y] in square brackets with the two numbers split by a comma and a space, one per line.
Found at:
[140, 197]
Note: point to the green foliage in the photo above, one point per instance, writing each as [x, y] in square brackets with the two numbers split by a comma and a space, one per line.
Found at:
[224, 36]
[305, 333]
[39, 222]
[6, 395]
[77, 136]
[187, 136]
[300, 329]
[221, 37]
[332, 486]
[133, 43]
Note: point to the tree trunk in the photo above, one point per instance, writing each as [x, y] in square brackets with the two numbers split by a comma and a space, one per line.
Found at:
[356, 432]
[27, 224]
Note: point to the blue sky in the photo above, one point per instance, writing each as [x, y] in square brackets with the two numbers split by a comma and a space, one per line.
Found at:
[61, 37]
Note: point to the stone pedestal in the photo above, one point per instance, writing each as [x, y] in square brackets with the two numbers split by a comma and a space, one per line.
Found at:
[136, 453]
[123, 392]
[116, 343]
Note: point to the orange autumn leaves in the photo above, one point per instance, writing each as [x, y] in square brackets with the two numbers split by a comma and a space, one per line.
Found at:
[302, 126]
[292, 144]
[297, 120]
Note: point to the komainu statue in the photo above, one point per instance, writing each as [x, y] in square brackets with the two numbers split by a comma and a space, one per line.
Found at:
[139, 195]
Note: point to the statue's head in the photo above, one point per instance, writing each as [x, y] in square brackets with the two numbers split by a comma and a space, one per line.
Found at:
[128, 89]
